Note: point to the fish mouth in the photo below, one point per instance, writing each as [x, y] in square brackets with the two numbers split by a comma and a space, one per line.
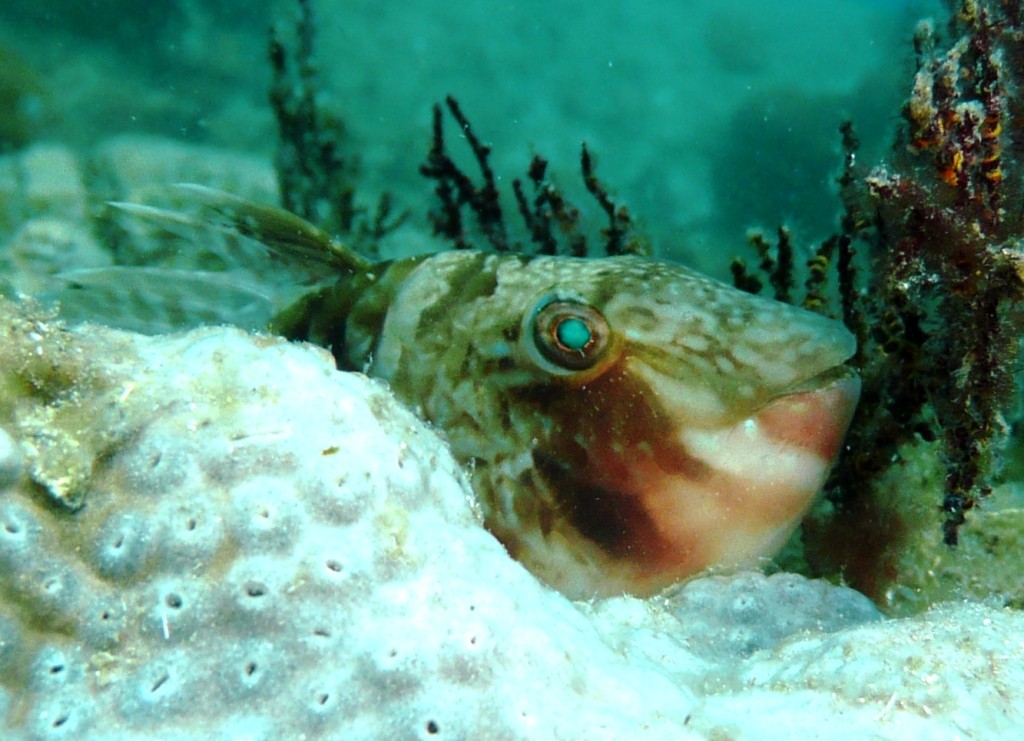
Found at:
[820, 381]
[814, 414]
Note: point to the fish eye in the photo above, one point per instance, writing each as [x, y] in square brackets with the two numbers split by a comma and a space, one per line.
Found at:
[569, 334]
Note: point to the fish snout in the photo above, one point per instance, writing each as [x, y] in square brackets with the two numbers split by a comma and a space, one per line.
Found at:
[815, 419]
[759, 477]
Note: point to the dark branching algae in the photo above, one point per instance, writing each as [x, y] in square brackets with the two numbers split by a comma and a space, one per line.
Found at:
[938, 306]
[317, 170]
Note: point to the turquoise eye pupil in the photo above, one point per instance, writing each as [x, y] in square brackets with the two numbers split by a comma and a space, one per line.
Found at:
[568, 336]
[573, 334]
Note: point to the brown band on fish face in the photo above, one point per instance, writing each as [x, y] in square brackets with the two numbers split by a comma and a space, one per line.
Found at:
[605, 435]
[615, 521]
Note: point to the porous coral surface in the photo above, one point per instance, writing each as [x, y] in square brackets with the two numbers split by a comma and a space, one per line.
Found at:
[217, 535]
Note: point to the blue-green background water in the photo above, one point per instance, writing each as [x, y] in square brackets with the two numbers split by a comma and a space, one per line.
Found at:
[708, 117]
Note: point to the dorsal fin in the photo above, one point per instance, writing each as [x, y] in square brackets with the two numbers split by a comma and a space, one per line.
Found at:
[280, 231]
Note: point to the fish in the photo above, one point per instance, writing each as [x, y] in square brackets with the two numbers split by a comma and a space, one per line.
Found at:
[627, 422]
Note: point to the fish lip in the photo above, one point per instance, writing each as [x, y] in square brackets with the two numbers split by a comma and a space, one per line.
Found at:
[820, 381]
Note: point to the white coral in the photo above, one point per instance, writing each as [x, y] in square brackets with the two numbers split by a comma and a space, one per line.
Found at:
[255, 545]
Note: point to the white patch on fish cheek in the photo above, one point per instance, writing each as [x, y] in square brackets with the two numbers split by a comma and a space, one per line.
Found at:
[499, 349]
[701, 365]
[715, 520]
[633, 334]
[776, 367]
[759, 335]
[744, 451]
[745, 391]
[754, 496]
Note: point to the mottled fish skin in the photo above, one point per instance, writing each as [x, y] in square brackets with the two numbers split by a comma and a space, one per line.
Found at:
[699, 436]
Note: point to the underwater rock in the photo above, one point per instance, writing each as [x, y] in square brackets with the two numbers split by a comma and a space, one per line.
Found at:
[130, 166]
[45, 247]
[53, 182]
[735, 616]
[262, 546]
[60, 244]
[45, 211]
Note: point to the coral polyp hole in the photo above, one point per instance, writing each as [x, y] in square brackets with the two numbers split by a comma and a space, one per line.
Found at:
[61, 720]
[250, 668]
[56, 669]
[12, 527]
[334, 566]
[322, 699]
[433, 728]
[255, 589]
[190, 524]
[174, 601]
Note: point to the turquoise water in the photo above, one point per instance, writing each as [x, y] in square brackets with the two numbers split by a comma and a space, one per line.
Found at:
[708, 118]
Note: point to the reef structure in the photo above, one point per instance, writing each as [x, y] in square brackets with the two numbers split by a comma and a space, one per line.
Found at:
[215, 534]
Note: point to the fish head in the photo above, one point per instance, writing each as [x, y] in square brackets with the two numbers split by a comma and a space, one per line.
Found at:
[686, 423]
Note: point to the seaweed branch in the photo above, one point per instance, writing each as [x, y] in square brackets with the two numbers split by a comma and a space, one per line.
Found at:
[547, 216]
[951, 277]
[548, 207]
[620, 223]
[316, 171]
[940, 315]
